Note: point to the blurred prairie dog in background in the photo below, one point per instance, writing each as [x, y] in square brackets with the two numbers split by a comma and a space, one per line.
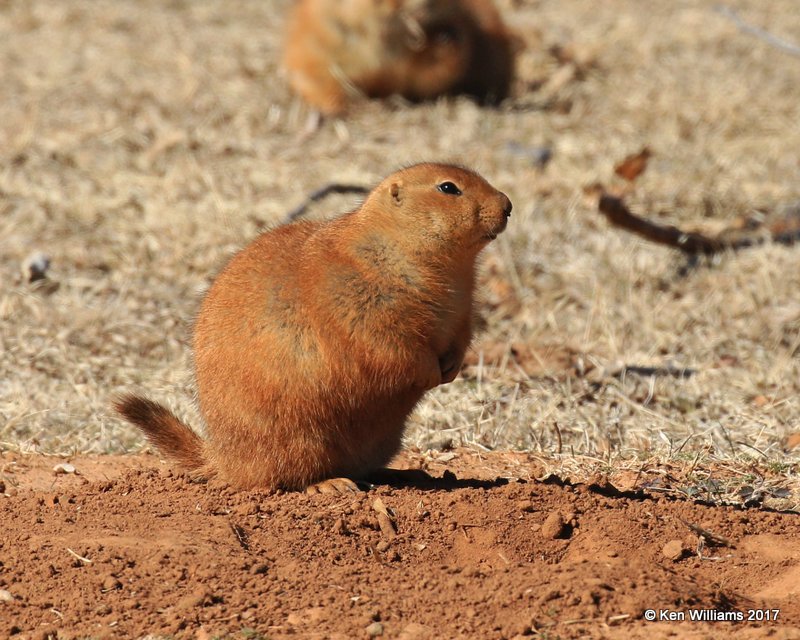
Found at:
[339, 50]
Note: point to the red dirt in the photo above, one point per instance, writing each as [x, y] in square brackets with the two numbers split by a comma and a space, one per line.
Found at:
[126, 547]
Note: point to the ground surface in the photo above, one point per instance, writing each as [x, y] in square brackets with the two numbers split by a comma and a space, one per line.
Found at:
[478, 548]
[142, 143]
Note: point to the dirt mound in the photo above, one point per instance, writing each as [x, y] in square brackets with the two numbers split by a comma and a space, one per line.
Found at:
[465, 546]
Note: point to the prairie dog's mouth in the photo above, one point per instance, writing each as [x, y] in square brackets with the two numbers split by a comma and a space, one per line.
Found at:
[496, 229]
[494, 218]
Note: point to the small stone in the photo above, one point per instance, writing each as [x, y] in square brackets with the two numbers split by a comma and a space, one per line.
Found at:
[111, 583]
[339, 527]
[673, 550]
[553, 527]
[416, 631]
[193, 601]
[5, 596]
[471, 572]
[374, 630]
[64, 468]
[537, 155]
[35, 266]
[294, 619]
[525, 506]
[387, 526]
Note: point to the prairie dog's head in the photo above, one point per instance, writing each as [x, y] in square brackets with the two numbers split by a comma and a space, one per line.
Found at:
[441, 207]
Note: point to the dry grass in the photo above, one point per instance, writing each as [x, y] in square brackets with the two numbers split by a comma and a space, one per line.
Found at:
[142, 143]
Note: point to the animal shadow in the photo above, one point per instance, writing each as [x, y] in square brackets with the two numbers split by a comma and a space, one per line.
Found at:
[422, 480]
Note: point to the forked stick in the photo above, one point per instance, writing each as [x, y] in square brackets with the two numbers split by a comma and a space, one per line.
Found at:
[618, 214]
[784, 231]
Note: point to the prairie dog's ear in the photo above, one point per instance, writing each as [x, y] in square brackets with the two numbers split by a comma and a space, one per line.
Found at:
[396, 194]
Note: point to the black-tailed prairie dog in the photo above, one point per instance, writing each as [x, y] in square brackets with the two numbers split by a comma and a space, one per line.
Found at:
[338, 49]
[317, 340]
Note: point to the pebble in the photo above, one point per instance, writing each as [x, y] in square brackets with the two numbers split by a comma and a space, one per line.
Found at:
[673, 550]
[339, 527]
[374, 630]
[35, 266]
[5, 596]
[111, 583]
[387, 526]
[193, 601]
[525, 506]
[553, 526]
[416, 631]
[538, 156]
[64, 467]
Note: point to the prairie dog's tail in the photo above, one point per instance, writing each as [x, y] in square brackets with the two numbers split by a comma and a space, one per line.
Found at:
[163, 429]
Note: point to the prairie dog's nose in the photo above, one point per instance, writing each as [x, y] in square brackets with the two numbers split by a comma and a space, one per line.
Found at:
[507, 206]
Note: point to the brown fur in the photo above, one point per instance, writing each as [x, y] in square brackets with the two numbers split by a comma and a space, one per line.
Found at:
[163, 429]
[420, 49]
[316, 340]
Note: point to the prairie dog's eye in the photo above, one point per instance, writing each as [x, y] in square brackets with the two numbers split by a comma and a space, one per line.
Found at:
[449, 188]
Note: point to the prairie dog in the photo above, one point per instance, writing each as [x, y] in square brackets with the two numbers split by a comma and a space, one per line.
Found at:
[317, 339]
[338, 49]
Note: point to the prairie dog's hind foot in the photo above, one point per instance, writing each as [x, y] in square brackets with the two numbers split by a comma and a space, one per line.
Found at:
[333, 485]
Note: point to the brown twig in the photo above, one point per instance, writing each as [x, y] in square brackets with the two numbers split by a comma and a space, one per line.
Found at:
[618, 214]
[784, 231]
[711, 539]
[241, 536]
[558, 436]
